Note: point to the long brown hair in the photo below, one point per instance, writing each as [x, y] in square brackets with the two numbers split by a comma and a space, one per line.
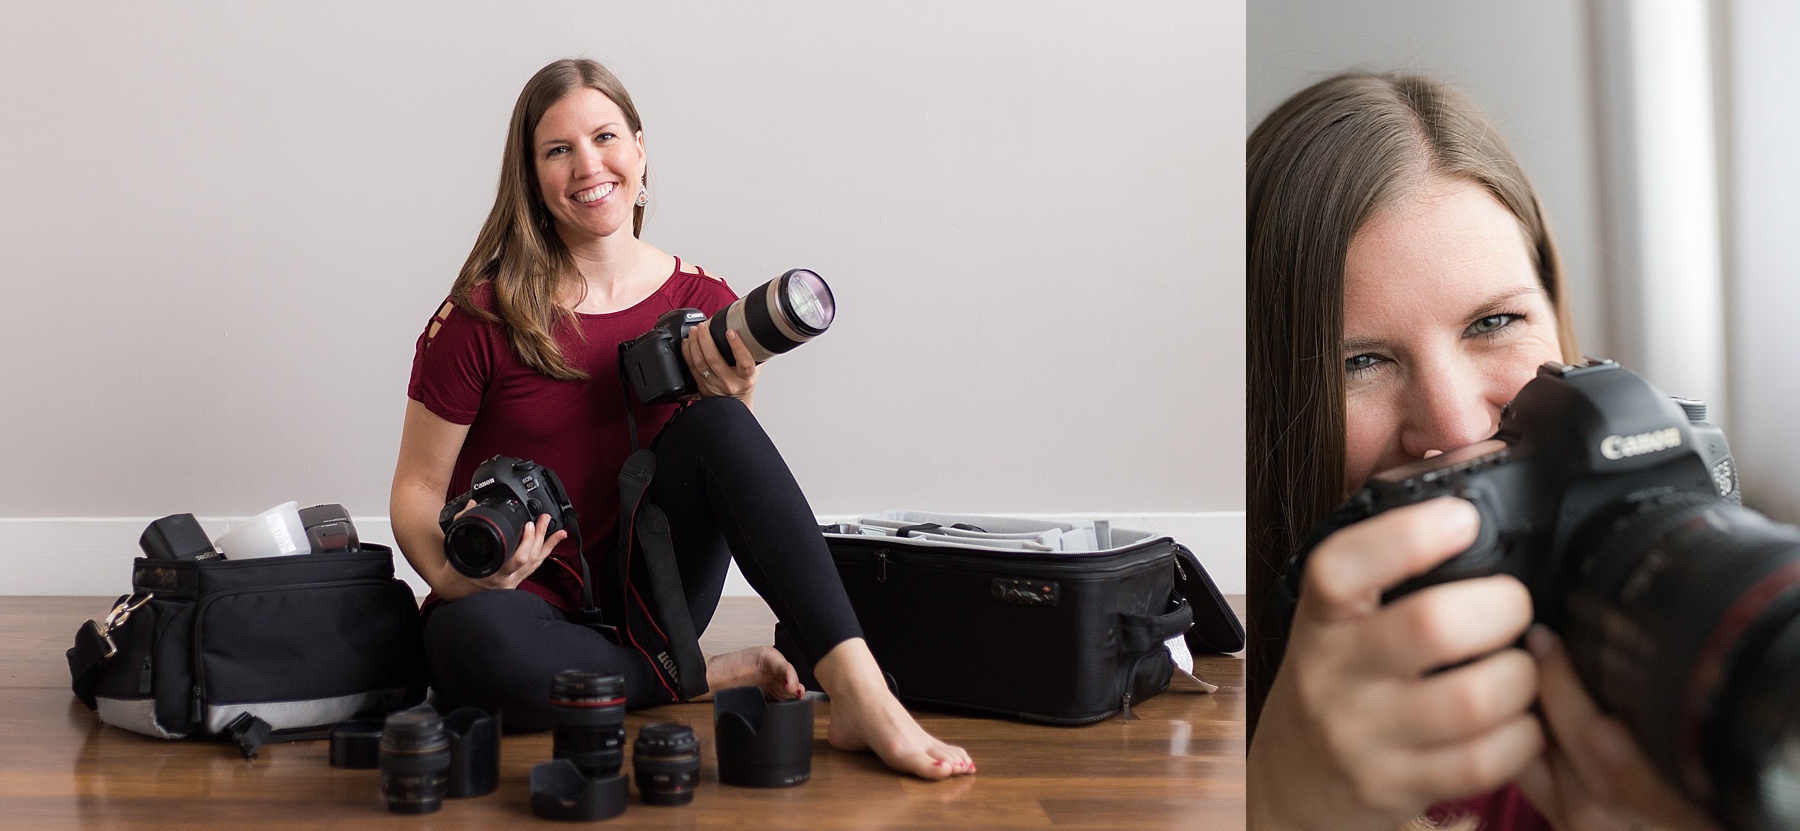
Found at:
[1320, 166]
[518, 249]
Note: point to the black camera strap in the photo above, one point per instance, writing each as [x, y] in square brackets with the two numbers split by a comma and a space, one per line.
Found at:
[640, 521]
[670, 641]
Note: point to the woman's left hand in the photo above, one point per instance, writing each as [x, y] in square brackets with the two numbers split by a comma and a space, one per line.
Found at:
[1592, 775]
[712, 375]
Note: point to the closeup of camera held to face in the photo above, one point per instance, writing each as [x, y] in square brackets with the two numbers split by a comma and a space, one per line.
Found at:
[1542, 605]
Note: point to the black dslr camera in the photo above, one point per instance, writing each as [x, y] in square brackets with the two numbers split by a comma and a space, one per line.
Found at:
[773, 318]
[652, 362]
[1617, 506]
[508, 493]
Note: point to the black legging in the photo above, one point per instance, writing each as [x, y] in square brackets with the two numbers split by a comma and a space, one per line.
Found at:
[727, 494]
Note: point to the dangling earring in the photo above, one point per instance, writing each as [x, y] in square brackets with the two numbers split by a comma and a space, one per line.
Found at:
[643, 194]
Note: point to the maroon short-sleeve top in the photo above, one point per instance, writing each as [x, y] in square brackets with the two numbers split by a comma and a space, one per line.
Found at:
[466, 372]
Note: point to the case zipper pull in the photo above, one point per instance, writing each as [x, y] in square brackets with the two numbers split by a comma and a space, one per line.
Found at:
[145, 677]
[881, 567]
[1125, 708]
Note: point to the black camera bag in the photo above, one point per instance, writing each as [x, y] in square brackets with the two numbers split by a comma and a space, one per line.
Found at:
[968, 612]
[255, 650]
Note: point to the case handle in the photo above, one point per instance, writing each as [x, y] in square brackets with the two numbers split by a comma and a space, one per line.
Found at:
[1141, 633]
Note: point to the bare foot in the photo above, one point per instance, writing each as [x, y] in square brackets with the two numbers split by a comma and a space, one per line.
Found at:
[758, 666]
[866, 716]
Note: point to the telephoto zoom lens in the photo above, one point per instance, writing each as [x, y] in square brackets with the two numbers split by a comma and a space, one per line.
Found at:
[415, 761]
[666, 762]
[589, 711]
[776, 316]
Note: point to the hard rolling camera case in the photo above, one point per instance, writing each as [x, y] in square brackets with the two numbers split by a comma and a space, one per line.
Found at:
[1063, 623]
[255, 648]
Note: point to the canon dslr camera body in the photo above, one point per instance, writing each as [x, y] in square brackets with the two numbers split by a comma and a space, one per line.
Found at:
[771, 319]
[1617, 506]
[508, 493]
[652, 362]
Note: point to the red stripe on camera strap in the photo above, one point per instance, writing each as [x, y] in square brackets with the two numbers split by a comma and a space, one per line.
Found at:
[681, 668]
[629, 524]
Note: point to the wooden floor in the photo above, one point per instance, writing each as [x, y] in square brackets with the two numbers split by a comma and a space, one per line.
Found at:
[1180, 766]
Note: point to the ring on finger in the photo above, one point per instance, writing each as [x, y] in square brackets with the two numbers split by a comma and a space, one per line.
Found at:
[706, 373]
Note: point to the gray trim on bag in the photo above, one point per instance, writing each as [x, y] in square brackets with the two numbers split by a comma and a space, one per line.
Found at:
[1000, 533]
[135, 714]
[314, 712]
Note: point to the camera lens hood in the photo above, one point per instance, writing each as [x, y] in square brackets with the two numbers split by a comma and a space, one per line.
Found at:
[560, 792]
[762, 743]
[474, 752]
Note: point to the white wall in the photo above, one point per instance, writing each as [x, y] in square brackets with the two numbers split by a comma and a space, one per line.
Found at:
[1764, 209]
[1527, 62]
[226, 223]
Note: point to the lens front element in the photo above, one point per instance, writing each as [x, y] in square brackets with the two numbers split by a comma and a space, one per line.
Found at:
[808, 300]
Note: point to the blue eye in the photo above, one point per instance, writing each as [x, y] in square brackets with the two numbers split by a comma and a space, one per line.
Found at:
[1360, 364]
[1492, 323]
[555, 151]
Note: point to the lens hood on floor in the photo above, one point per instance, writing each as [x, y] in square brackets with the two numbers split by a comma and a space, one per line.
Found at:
[559, 791]
[474, 752]
[762, 743]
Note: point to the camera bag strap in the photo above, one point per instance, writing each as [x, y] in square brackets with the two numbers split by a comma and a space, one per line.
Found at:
[94, 646]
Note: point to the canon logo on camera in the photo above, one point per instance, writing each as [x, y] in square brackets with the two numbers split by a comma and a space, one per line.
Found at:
[1624, 447]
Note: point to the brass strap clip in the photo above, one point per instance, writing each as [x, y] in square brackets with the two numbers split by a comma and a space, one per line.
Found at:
[117, 617]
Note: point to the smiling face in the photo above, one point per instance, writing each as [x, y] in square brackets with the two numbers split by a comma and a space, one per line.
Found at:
[589, 166]
[1444, 321]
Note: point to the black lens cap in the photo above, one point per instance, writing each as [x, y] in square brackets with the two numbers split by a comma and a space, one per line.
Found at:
[356, 744]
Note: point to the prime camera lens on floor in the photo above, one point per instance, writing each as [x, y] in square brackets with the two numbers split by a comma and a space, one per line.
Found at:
[589, 712]
[666, 762]
[415, 761]
[507, 493]
[771, 319]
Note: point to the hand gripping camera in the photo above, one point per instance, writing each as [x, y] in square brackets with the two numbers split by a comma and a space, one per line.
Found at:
[773, 318]
[508, 493]
[1617, 506]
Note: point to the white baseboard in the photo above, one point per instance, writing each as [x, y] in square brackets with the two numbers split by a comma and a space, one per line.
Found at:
[92, 555]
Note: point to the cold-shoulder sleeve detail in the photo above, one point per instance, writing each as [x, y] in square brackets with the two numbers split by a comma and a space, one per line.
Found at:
[453, 362]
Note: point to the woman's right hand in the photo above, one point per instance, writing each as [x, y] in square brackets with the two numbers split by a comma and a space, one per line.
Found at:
[532, 550]
[1357, 730]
